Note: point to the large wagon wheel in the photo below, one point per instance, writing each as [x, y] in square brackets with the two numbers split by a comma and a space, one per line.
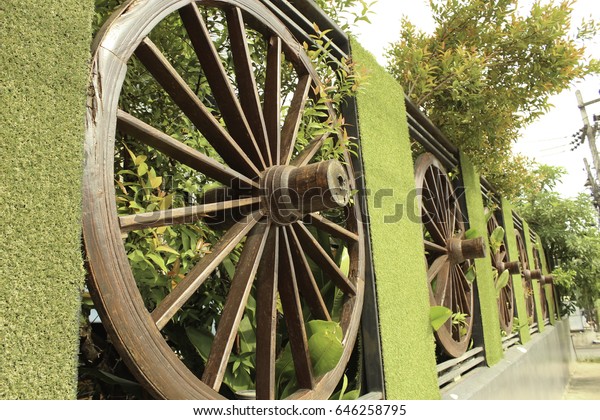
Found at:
[526, 277]
[500, 261]
[274, 197]
[538, 269]
[447, 253]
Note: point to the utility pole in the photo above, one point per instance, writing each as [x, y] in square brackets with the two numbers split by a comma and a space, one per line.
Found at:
[590, 132]
[594, 188]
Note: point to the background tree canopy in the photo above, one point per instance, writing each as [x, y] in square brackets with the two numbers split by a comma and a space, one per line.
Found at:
[487, 71]
[569, 232]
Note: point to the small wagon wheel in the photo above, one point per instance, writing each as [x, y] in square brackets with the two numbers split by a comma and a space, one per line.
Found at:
[501, 262]
[276, 194]
[526, 277]
[538, 269]
[447, 253]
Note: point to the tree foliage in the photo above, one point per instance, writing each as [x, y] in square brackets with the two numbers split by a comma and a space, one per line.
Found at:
[568, 230]
[488, 70]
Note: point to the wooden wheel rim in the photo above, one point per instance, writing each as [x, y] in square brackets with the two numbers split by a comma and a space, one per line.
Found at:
[506, 298]
[527, 283]
[132, 328]
[433, 184]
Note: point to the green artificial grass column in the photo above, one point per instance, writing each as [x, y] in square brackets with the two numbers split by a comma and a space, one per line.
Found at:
[535, 283]
[43, 85]
[397, 238]
[547, 287]
[488, 299]
[513, 254]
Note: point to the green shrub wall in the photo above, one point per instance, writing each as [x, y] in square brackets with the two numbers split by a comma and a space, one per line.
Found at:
[43, 73]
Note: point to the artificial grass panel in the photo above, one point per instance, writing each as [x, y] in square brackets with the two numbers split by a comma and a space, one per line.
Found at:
[402, 293]
[43, 79]
[539, 316]
[513, 254]
[488, 300]
[547, 287]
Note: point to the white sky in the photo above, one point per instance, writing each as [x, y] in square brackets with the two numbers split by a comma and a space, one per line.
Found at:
[546, 140]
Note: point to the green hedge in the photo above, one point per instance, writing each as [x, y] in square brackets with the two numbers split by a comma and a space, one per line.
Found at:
[43, 75]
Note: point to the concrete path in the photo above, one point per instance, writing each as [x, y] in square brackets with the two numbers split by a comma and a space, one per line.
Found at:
[585, 379]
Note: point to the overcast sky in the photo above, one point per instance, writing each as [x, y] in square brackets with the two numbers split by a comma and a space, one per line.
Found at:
[548, 139]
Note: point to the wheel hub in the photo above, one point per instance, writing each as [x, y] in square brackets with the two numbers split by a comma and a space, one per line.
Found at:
[291, 192]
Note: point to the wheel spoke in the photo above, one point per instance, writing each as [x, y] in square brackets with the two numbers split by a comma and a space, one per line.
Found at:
[194, 279]
[266, 317]
[219, 83]
[462, 290]
[433, 247]
[235, 305]
[444, 283]
[430, 217]
[193, 108]
[181, 151]
[453, 216]
[304, 157]
[436, 267]
[293, 118]
[294, 319]
[306, 280]
[246, 82]
[272, 99]
[180, 215]
[333, 229]
[501, 256]
[316, 253]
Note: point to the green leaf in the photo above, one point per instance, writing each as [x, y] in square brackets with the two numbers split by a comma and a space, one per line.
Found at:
[325, 345]
[229, 267]
[351, 395]
[472, 234]
[247, 335]
[157, 259]
[284, 366]
[502, 280]
[318, 326]
[201, 340]
[438, 315]
[345, 261]
[471, 275]
[496, 239]
[166, 248]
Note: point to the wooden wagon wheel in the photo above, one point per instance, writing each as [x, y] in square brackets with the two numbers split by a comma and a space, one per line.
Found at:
[526, 277]
[447, 253]
[500, 261]
[280, 196]
[538, 268]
